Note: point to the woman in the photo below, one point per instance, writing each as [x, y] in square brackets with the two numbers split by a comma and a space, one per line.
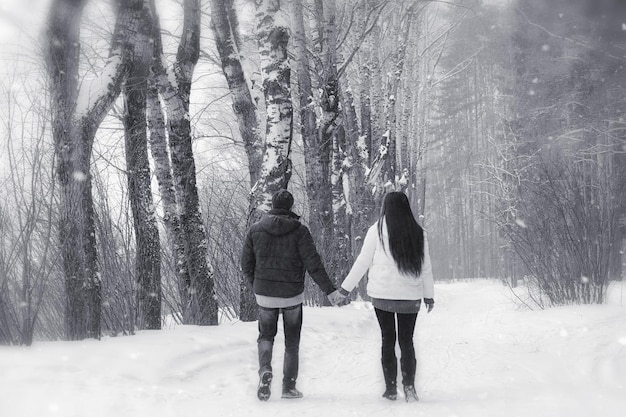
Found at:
[395, 252]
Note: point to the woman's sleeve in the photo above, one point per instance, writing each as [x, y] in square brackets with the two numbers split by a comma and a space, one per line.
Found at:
[427, 272]
[363, 261]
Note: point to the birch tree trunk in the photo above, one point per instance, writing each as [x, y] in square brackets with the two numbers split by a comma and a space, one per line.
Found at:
[317, 183]
[366, 109]
[76, 115]
[340, 257]
[171, 219]
[348, 163]
[618, 246]
[359, 197]
[331, 117]
[330, 199]
[224, 29]
[422, 106]
[364, 151]
[201, 293]
[273, 35]
[377, 97]
[148, 253]
[385, 166]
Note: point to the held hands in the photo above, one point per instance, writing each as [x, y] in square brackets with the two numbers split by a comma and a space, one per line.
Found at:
[336, 298]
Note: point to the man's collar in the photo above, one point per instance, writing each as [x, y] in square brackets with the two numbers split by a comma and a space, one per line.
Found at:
[283, 212]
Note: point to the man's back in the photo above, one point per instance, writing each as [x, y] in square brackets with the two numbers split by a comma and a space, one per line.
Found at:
[278, 269]
[277, 252]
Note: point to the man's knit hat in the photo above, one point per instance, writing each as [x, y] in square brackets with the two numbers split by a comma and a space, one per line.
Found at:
[282, 200]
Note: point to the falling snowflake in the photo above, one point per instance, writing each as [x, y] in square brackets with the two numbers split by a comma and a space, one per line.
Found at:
[545, 48]
[520, 223]
[79, 176]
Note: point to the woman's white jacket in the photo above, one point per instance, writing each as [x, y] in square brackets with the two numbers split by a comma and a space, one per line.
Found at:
[384, 279]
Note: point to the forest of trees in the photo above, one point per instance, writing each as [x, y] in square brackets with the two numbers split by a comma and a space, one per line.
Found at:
[142, 137]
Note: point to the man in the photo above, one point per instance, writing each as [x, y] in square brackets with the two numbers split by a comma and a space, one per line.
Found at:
[277, 251]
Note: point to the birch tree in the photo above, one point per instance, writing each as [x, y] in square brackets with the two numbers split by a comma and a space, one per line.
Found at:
[327, 143]
[325, 42]
[148, 258]
[174, 86]
[273, 39]
[273, 33]
[225, 28]
[315, 158]
[171, 218]
[384, 171]
[77, 111]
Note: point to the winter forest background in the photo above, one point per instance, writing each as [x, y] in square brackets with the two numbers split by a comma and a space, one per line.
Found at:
[141, 137]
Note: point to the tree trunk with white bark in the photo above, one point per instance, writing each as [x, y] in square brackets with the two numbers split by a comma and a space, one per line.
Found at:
[175, 88]
[148, 253]
[273, 38]
[77, 111]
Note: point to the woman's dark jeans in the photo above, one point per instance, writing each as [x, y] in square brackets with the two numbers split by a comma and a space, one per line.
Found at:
[268, 327]
[406, 329]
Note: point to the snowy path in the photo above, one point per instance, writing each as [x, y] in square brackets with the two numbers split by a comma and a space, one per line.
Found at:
[478, 356]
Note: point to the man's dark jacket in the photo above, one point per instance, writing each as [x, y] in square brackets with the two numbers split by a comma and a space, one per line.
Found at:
[277, 252]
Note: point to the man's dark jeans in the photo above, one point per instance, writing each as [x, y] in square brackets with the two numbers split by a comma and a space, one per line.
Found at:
[406, 329]
[268, 327]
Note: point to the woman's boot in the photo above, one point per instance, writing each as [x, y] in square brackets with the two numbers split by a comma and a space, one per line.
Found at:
[391, 392]
[408, 366]
[390, 371]
[409, 394]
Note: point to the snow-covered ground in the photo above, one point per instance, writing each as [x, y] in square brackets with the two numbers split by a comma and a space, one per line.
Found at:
[479, 355]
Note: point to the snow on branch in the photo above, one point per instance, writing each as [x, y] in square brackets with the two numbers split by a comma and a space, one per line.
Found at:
[95, 96]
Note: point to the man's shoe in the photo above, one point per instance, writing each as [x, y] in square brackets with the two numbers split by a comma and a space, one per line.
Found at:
[291, 393]
[265, 386]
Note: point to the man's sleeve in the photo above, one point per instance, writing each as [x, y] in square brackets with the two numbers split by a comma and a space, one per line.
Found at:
[312, 261]
[248, 261]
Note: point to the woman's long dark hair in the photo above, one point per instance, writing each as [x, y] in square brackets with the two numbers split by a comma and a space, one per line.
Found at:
[406, 237]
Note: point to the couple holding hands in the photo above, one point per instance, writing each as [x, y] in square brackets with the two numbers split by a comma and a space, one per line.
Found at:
[279, 249]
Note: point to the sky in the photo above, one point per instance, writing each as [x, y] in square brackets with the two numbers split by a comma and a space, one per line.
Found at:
[479, 355]
[25, 16]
